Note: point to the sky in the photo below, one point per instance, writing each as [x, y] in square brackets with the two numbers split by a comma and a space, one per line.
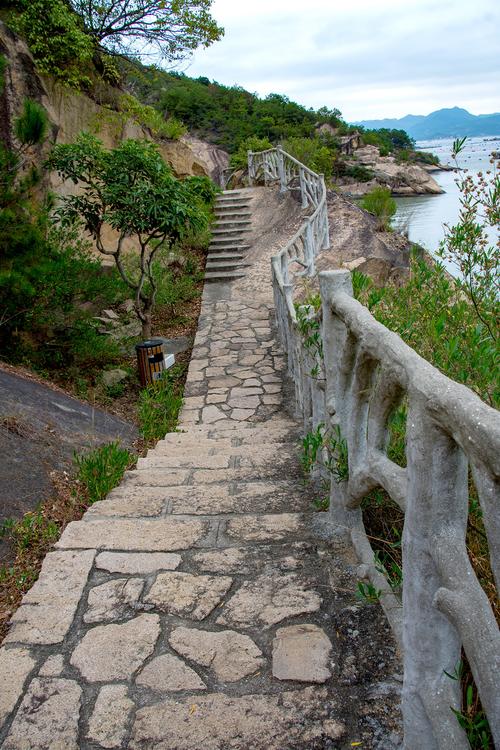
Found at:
[368, 58]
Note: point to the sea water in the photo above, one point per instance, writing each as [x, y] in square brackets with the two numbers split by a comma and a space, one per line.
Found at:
[423, 217]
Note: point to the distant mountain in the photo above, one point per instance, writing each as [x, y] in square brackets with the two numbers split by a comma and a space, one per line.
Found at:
[444, 123]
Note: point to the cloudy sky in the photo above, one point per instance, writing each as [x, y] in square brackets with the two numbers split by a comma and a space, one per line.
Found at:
[369, 58]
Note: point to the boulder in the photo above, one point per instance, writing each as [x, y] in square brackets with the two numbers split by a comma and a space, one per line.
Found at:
[111, 378]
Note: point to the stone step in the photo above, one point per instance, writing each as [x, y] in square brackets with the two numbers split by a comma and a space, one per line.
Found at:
[222, 245]
[223, 224]
[228, 212]
[200, 435]
[223, 276]
[227, 231]
[232, 205]
[236, 192]
[261, 496]
[228, 265]
[243, 455]
[225, 257]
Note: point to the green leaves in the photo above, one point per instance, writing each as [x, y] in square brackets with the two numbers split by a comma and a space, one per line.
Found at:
[31, 126]
[132, 190]
[170, 28]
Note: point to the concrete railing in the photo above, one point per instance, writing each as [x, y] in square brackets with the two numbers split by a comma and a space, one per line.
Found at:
[350, 377]
[275, 165]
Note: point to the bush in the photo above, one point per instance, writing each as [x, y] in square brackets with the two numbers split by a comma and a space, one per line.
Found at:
[359, 173]
[101, 469]
[380, 203]
[239, 160]
[313, 153]
[150, 118]
[159, 406]
[57, 40]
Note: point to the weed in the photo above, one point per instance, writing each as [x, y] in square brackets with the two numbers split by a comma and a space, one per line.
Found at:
[102, 469]
[328, 450]
[471, 717]
[366, 592]
[322, 503]
[159, 405]
[380, 203]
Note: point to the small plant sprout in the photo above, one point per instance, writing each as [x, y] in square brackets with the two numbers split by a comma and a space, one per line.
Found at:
[366, 592]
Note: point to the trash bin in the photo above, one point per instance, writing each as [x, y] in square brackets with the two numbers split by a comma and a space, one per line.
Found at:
[151, 360]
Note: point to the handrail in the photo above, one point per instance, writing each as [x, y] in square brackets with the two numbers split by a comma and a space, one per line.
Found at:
[362, 371]
[313, 236]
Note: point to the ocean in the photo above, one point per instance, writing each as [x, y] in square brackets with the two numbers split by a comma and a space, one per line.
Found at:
[423, 217]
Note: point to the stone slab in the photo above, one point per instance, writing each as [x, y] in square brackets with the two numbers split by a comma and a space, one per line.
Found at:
[108, 723]
[132, 503]
[15, 666]
[167, 673]
[159, 535]
[265, 528]
[113, 600]
[216, 721]
[267, 600]
[47, 717]
[301, 653]
[230, 655]
[115, 652]
[48, 609]
[137, 562]
[187, 595]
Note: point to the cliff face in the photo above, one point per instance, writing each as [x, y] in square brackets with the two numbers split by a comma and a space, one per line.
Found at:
[70, 112]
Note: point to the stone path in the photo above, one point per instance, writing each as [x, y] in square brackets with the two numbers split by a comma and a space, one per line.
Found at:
[202, 605]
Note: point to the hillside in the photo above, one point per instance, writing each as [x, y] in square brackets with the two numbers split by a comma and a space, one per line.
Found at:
[443, 123]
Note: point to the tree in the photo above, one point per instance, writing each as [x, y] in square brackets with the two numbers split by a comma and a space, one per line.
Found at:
[141, 28]
[132, 190]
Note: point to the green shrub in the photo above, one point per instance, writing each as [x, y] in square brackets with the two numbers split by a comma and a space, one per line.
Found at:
[380, 203]
[101, 469]
[239, 160]
[426, 157]
[149, 117]
[435, 318]
[160, 404]
[313, 153]
[56, 39]
[359, 173]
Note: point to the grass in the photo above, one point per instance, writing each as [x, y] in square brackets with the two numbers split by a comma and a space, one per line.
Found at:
[160, 404]
[100, 470]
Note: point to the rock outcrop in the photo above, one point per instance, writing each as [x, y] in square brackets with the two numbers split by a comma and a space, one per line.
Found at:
[403, 178]
[71, 111]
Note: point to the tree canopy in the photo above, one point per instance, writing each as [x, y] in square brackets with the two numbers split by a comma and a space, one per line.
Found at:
[171, 29]
[131, 189]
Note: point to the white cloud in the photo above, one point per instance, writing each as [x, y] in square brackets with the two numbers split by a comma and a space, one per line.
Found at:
[369, 59]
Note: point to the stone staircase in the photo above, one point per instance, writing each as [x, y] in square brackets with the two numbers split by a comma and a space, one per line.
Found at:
[203, 603]
[226, 254]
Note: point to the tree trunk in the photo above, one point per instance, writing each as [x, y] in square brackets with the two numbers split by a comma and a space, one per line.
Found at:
[146, 327]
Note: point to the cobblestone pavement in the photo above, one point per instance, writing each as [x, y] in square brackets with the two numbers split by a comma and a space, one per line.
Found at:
[201, 605]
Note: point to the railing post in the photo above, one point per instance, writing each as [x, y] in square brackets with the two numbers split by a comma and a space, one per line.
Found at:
[281, 169]
[310, 250]
[326, 236]
[436, 513]
[303, 193]
[335, 341]
[251, 173]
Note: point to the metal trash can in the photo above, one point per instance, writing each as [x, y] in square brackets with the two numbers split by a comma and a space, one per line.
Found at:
[151, 361]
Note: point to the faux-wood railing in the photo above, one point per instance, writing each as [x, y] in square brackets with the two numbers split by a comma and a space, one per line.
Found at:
[362, 371]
